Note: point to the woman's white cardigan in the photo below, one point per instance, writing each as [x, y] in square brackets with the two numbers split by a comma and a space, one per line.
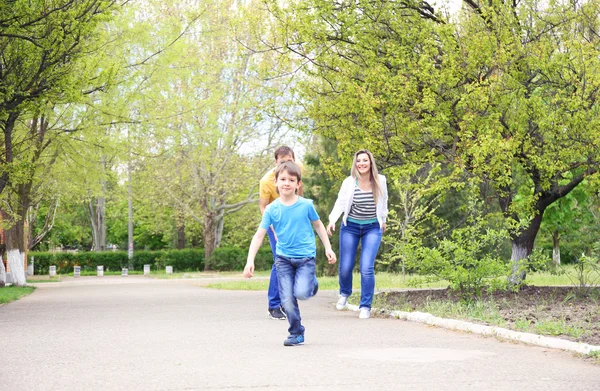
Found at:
[346, 195]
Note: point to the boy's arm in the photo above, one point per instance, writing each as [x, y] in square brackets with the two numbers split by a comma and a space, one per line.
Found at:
[322, 232]
[254, 246]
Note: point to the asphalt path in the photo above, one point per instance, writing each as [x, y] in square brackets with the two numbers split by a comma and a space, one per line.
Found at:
[137, 333]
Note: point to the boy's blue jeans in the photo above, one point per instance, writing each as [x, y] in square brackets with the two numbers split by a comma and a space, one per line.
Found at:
[370, 237]
[297, 281]
[273, 292]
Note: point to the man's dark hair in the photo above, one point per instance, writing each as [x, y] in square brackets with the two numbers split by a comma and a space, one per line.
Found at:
[284, 150]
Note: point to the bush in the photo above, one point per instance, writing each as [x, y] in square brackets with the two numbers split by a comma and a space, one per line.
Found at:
[227, 258]
[234, 259]
[152, 258]
[182, 260]
[223, 259]
[263, 260]
[469, 260]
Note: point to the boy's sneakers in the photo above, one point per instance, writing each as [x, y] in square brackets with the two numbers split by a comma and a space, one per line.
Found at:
[294, 341]
[342, 303]
[277, 313]
[365, 313]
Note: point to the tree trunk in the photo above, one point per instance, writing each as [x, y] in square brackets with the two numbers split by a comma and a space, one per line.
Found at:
[209, 238]
[2, 274]
[180, 232]
[101, 216]
[556, 248]
[34, 240]
[98, 221]
[522, 247]
[219, 230]
[15, 251]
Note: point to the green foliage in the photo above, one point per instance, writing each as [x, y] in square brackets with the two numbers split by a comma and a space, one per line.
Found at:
[588, 270]
[234, 258]
[469, 259]
[574, 222]
[181, 260]
[412, 220]
[145, 257]
[322, 183]
[502, 95]
[71, 227]
[224, 259]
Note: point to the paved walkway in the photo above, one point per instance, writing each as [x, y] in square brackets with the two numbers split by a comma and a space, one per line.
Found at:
[135, 333]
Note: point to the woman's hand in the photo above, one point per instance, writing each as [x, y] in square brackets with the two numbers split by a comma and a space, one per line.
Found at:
[330, 228]
[383, 228]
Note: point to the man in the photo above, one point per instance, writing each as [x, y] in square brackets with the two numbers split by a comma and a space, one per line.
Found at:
[268, 194]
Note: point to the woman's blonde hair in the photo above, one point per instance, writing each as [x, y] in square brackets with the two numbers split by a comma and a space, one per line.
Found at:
[373, 173]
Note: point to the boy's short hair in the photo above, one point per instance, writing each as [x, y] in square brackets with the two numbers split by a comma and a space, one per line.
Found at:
[291, 168]
[283, 151]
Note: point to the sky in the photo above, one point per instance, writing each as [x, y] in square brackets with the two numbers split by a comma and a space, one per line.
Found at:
[452, 5]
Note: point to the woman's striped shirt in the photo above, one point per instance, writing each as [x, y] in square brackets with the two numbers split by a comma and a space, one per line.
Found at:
[363, 206]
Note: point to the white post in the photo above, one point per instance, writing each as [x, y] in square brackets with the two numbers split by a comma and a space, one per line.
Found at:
[169, 269]
[52, 271]
[76, 271]
[30, 267]
[146, 270]
[100, 270]
[125, 272]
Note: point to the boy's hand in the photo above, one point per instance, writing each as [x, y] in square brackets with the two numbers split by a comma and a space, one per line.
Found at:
[249, 270]
[330, 228]
[330, 256]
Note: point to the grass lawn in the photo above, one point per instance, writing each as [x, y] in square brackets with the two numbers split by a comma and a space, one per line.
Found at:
[12, 293]
[384, 281]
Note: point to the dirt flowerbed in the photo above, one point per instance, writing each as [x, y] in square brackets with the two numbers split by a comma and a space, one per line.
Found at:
[563, 312]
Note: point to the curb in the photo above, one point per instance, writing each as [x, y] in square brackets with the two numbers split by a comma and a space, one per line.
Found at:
[499, 332]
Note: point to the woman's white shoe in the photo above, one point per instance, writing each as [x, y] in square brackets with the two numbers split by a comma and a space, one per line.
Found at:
[342, 303]
[365, 313]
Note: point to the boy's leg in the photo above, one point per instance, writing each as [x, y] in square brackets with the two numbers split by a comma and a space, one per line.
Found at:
[349, 237]
[371, 239]
[305, 284]
[286, 275]
[273, 292]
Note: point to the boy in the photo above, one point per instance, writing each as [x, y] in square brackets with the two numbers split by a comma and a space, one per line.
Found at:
[291, 217]
[268, 194]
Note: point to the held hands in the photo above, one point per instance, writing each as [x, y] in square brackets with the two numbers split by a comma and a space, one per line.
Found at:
[249, 270]
[331, 258]
[330, 228]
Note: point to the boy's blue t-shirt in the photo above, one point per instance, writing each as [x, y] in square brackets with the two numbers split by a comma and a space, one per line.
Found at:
[293, 227]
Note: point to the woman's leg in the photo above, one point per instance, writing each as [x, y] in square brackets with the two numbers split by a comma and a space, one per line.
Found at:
[370, 239]
[349, 237]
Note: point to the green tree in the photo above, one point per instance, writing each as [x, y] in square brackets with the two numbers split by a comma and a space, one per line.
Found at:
[45, 62]
[573, 222]
[506, 97]
[207, 112]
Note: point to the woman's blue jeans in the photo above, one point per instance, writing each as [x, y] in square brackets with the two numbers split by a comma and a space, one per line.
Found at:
[297, 281]
[273, 292]
[369, 236]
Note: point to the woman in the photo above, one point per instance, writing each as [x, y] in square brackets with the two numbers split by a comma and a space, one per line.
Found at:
[363, 201]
